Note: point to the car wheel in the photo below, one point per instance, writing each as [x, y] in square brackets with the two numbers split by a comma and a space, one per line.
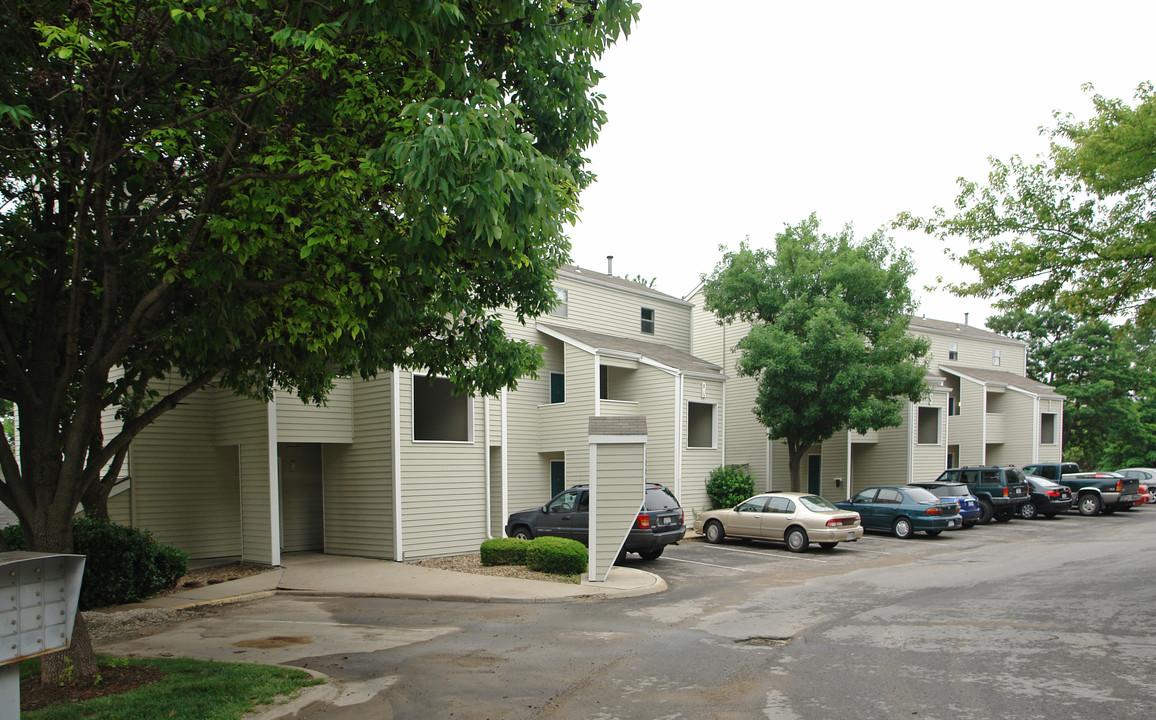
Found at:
[651, 554]
[933, 533]
[828, 546]
[714, 532]
[797, 539]
[903, 528]
[1004, 515]
[1029, 511]
[523, 533]
[1089, 504]
[985, 512]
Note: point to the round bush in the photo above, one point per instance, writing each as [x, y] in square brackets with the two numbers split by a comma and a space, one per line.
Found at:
[729, 485]
[123, 564]
[560, 556]
[504, 551]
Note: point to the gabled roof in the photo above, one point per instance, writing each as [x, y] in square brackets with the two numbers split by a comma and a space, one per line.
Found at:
[998, 377]
[593, 276]
[945, 327]
[662, 354]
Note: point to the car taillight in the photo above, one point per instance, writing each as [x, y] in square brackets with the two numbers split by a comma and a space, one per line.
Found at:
[1053, 493]
[681, 517]
[643, 522]
[1119, 486]
[1005, 491]
[933, 511]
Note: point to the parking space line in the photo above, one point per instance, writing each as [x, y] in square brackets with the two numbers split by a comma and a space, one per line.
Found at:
[695, 562]
[770, 555]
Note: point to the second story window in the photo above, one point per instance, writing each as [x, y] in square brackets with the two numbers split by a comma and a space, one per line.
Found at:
[953, 351]
[562, 307]
[557, 388]
[648, 321]
[952, 406]
[995, 356]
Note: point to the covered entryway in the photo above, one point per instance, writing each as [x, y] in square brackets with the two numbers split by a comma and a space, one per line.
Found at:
[302, 508]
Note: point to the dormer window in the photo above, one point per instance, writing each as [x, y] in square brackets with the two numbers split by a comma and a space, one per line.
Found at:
[648, 321]
[953, 351]
[562, 307]
[995, 356]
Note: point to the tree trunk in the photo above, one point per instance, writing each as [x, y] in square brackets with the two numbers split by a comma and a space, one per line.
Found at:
[73, 666]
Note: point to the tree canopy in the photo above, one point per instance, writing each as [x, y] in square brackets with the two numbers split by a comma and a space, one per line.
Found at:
[272, 194]
[829, 344]
[1077, 228]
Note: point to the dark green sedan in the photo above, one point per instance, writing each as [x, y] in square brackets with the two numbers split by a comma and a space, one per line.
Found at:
[904, 511]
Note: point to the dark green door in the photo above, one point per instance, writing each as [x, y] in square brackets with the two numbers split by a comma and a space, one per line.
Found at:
[557, 477]
[815, 474]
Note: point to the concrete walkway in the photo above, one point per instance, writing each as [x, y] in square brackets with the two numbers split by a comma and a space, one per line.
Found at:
[334, 575]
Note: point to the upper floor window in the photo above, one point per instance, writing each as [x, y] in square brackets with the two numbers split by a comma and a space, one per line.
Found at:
[928, 433]
[648, 321]
[700, 425]
[952, 406]
[953, 351]
[438, 414]
[1047, 428]
[995, 356]
[557, 388]
[562, 307]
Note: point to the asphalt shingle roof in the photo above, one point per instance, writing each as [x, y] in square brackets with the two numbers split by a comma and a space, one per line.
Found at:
[655, 351]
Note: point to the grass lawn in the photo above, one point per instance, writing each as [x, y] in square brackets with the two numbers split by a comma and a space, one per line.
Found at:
[189, 689]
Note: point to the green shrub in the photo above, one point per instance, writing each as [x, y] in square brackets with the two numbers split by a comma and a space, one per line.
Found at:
[560, 556]
[504, 551]
[729, 485]
[123, 565]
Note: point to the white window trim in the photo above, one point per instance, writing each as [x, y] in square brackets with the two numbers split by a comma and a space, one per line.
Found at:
[413, 425]
[713, 426]
[995, 357]
[1055, 429]
[938, 425]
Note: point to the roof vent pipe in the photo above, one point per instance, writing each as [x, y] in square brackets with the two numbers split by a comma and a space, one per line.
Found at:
[965, 318]
[609, 264]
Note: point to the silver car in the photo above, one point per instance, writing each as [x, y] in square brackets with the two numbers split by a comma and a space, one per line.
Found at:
[798, 519]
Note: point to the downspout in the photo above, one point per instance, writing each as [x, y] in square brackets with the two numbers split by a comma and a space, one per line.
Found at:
[505, 457]
[486, 467]
[847, 480]
[679, 380]
[770, 458]
[911, 430]
[598, 385]
[274, 489]
[1036, 430]
[983, 427]
[395, 421]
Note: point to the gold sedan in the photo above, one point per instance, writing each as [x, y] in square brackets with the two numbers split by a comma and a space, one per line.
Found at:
[798, 519]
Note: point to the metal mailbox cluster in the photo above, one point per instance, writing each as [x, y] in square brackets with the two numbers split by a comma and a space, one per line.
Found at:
[38, 598]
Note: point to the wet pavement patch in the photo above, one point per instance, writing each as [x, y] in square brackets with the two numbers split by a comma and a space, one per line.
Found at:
[274, 641]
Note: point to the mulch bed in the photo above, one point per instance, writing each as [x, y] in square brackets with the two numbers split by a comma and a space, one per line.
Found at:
[113, 681]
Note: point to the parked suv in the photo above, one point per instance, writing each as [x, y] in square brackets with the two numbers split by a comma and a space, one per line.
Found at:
[659, 522]
[1000, 490]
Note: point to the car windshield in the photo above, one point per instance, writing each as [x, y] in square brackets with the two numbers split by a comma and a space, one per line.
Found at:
[817, 504]
[660, 498]
[1015, 476]
[920, 495]
[950, 490]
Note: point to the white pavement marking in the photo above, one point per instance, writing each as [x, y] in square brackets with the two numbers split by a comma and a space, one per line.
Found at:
[695, 562]
[777, 556]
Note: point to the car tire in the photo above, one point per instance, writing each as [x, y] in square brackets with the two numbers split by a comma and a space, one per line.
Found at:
[1089, 504]
[650, 554]
[903, 528]
[523, 533]
[986, 512]
[968, 524]
[828, 546]
[714, 532]
[1004, 515]
[797, 541]
[933, 533]
[1029, 511]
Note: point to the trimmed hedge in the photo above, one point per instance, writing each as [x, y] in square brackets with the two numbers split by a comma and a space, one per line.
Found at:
[123, 565]
[560, 556]
[729, 485]
[504, 551]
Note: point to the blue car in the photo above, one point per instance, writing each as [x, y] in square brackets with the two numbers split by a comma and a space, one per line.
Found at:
[904, 511]
[969, 508]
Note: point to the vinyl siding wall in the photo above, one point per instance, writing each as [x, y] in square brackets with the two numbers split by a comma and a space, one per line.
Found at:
[176, 491]
[358, 491]
[654, 391]
[443, 490]
[883, 462]
[966, 429]
[697, 463]
[929, 460]
[975, 352]
[333, 423]
[244, 423]
[1020, 423]
[1052, 452]
[302, 507]
[619, 495]
[617, 311]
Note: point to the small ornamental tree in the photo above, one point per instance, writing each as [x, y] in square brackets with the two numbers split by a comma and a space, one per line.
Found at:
[729, 485]
[828, 344]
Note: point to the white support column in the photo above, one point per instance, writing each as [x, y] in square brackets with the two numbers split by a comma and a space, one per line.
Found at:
[274, 485]
[395, 456]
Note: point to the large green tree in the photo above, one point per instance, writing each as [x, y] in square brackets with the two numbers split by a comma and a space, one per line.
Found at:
[1077, 228]
[829, 344]
[1105, 373]
[266, 193]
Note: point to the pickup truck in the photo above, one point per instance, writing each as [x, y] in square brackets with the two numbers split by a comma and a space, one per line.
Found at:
[1095, 492]
[1000, 490]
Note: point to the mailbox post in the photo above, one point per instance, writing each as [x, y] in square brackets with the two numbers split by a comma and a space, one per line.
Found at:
[39, 593]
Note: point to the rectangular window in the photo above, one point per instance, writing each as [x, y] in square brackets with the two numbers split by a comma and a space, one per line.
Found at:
[557, 388]
[953, 351]
[928, 426]
[648, 321]
[562, 307]
[1047, 428]
[995, 356]
[700, 425]
[952, 406]
[438, 414]
[603, 382]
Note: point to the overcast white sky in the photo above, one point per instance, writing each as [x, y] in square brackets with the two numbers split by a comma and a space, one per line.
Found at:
[729, 119]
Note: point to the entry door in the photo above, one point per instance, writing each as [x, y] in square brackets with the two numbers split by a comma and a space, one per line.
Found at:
[815, 474]
[557, 477]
